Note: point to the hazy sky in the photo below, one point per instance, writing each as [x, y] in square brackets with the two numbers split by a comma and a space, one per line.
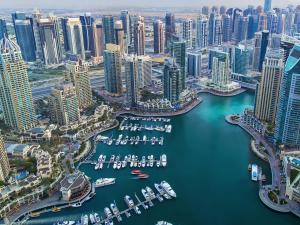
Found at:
[98, 4]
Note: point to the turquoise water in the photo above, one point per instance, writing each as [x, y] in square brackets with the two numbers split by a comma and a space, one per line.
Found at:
[207, 167]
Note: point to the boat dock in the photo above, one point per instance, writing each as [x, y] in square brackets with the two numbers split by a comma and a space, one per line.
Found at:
[152, 119]
[133, 206]
[134, 140]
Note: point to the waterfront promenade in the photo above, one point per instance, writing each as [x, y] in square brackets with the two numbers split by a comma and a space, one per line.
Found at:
[182, 111]
[223, 94]
[274, 163]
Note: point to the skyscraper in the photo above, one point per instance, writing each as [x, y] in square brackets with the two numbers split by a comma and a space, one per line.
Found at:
[4, 163]
[158, 33]
[112, 69]
[256, 51]
[131, 77]
[139, 36]
[172, 81]
[144, 71]
[268, 89]
[125, 17]
[77, 73]
[214, 29]
[99, 42]
[50, 40]
[263, 48]
[220, 69]
[240, 28]
[120, 36]
[267, 5]
[3, 28]
[63, 104]
[169, 30]
[75, 37]
[24, 32]
[178, 53]
[252, 26]
[226, 26]
[187, 32]
[205, 10]
[36, 16]
[240, 62]
[15, 90]
[194, 59]
[287, 125]
[201, 31]
[87, 22]
[108, 24]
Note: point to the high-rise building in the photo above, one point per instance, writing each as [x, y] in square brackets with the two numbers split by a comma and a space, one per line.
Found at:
[287, 124]
[222, 10]
[77, 73]
[262, 22]
[268, 89]
[64, 106]
[220, 69]
[256, 51]
[187, 32]
[227, 24]
[3, 28]
[263, 48]
[287, 43]
[178, 53]
[169, 30]
[120, 36]
[4, 163]
[112, 69]
[108, 24]
[131, 77]
[125, 17]
[267, 5]
[99, 40]
[240, 60]
[49, 40]
[139, 36]
[64, 23]
[144, 71]
[240, 28]
[214, 29]
[194, 59]
[75, 37]
[36, 16]
[158, 33]
[205, 10]
[172, 81]
[15, 90]
[252, 25]
[24, 32]
[202, 31]
[87, 22]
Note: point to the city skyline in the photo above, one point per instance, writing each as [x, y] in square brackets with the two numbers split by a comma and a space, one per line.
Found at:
[116, 4]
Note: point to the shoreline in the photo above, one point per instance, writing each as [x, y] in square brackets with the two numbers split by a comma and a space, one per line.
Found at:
[223, 94]
[272, 161]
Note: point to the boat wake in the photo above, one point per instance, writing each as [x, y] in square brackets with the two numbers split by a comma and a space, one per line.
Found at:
[53, 219]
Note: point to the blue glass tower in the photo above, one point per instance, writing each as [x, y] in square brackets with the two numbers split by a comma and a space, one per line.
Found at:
[88, 34]
[263, 49]
[3, 28]
[240, 60]
[287, 130]
[108, 29]
[25, 39]
[252, 26]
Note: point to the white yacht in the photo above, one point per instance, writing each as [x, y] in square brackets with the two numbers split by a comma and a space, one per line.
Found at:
[129, 201]
[92, 218]
[145, 194]
[166, 186]
[163, 223]
[104, 182]
[150, 192]
[164, 160]
[107, 212]
[97, 218]
[85, 220]
[161, 191]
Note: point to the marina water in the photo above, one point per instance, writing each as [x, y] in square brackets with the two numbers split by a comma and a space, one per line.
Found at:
[207, 167]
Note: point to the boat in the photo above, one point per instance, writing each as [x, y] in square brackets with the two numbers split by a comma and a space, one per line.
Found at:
[168, 189]
[104, 182]
[35, 214]
[97, 218]
[129, 201]
[66, 223]
[249, 167]
[136, 172]
[158, 163]
[137, 210]
[151, 160]
[56, 209]
[116, 211]
[143, 176]
[76, 205]
[107, 212]
[143, 161]
[85, 220]
[254, 172]
[119, 165]
[92, 218]
[109, 222]
[164, 160]
[163, 223]
[97, 166]
[150, 192]
[161, 191]
[145, 194]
